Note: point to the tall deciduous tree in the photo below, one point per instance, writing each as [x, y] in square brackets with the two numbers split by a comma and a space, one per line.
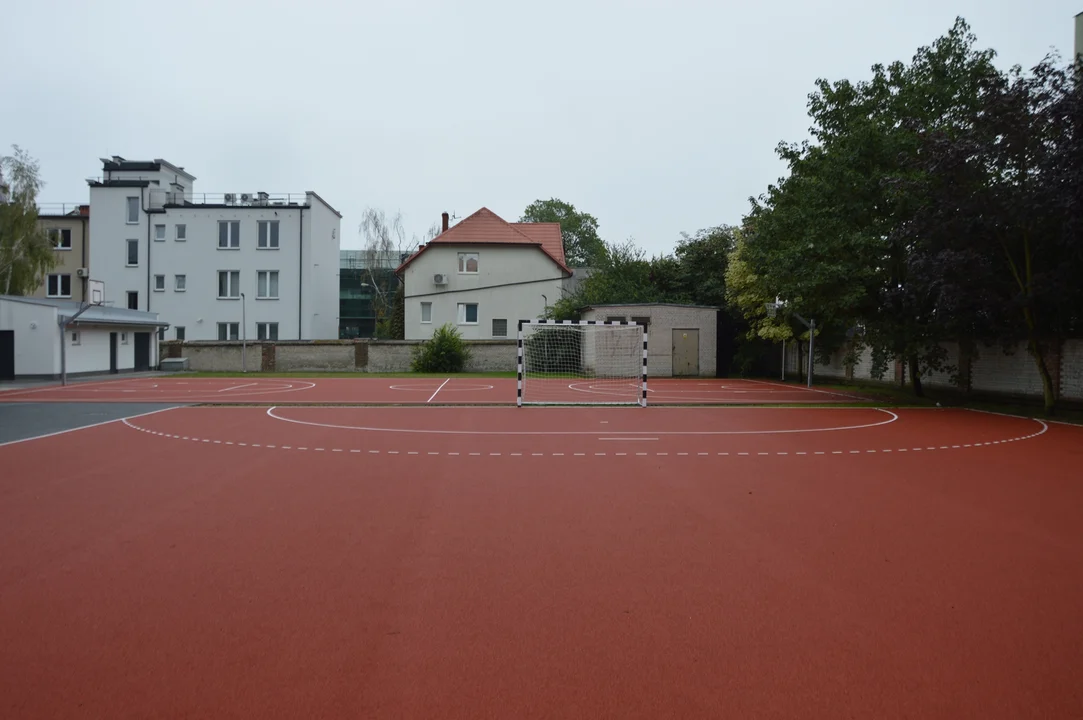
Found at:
[26, 254]
[995, 230]
[579, 231]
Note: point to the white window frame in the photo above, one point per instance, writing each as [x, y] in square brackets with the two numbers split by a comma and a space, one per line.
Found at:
[260, 292]
[128, 207]
[263, 331]
[159, 283]
[464, 258]
[180, 233]
[159, 232]
[462, 314]
[265, 238]
[426, 306]
[178, 332]
[56, 235]
[233, 235]
[128, 245]
[59, 285]
[180, 282]
[124, 338]
[228, 327]
[76, 337]
[233, 285]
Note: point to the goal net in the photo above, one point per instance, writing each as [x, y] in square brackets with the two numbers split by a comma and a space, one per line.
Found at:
[582, 362]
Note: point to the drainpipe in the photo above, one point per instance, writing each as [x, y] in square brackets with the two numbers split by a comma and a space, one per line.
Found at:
[86, 235]
[300, 267]
[147, 215]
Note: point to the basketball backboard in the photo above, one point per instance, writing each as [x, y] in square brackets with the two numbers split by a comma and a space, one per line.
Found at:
[95, 292]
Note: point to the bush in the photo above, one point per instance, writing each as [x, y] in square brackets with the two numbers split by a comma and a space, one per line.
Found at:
[446, 352]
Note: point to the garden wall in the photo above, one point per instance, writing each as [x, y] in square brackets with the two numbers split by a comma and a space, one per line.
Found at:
[328, 355]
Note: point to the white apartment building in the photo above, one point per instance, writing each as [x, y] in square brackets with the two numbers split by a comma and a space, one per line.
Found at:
[208, 263]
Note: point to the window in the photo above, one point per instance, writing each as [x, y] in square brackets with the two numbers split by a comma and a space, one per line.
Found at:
[133, 210]
[60, 238]
[468, 262]
[161, 333]
[159, 283]
[267, 284]
[268, 235]
[182, 233]
[643, 322]
[75, 338]
[229, 234]
[614, 318]
[133, 300]
[229, 284]
[180, 283]
[468, 313]
[159, 233]
[133, 253]
[267, 331]
[500, 328]
[426, 312]
[179, 330]
[124, 338]
[229, 331]
[59, 286]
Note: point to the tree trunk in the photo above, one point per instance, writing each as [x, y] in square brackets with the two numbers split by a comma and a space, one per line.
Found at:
[915, 376]
[1049, 395]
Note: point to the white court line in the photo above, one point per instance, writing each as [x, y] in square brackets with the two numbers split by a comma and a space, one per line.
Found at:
[438, 390]
[237, 387]
[85, 427]
[807, 389]
[415, 431]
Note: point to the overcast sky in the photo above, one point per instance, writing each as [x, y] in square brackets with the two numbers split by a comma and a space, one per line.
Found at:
[656, 117]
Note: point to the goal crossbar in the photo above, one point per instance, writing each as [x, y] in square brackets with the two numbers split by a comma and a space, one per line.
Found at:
[581, 362]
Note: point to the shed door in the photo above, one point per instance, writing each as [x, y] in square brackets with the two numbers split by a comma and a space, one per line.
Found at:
[142, 351]
[685, 352]
[7, 354]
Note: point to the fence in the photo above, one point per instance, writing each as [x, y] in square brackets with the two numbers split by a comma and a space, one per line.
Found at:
[328, 355]
[984, 370]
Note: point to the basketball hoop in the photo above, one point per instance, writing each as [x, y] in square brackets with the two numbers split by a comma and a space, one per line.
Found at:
[772, 309]
[95, 292]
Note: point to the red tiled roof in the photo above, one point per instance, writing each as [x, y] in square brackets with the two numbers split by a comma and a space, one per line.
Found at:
[485, 227]
[548, 234]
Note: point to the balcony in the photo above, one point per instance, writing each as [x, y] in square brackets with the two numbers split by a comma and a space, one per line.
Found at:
[163, 198]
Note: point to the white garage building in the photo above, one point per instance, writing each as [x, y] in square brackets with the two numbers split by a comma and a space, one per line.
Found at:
[681, 339]
[101, 340]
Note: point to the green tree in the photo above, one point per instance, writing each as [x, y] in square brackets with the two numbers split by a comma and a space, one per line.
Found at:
[623, 277]
[26, 254]
[825, 235]
[578, 230]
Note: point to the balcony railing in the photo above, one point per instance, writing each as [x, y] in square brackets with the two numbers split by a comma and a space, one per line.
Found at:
[159, 198]
[62, 208]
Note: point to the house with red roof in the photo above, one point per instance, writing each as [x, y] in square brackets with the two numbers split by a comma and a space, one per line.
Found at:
[483, 275]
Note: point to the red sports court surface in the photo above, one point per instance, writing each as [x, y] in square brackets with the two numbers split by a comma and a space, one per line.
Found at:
[458, 562]
[409, 391]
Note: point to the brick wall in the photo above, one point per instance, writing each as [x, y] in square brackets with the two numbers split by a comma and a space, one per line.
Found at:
[993, 371]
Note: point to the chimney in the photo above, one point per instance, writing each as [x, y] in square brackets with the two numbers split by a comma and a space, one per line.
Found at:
[444, 217]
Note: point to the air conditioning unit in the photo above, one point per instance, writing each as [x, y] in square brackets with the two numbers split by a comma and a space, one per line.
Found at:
[82, 272]
[230, 197]
[440, 279]
[246, 198]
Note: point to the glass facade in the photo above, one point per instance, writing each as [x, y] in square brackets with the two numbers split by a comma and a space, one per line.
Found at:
[366, 287]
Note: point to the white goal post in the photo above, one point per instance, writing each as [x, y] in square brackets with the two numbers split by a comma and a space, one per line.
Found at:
[581, 362]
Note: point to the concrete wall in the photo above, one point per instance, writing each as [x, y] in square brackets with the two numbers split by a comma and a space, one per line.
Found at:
[984, 370]
[37, 348]
[331, 356]
[321, 267]
[512, 284]
[663, 320]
